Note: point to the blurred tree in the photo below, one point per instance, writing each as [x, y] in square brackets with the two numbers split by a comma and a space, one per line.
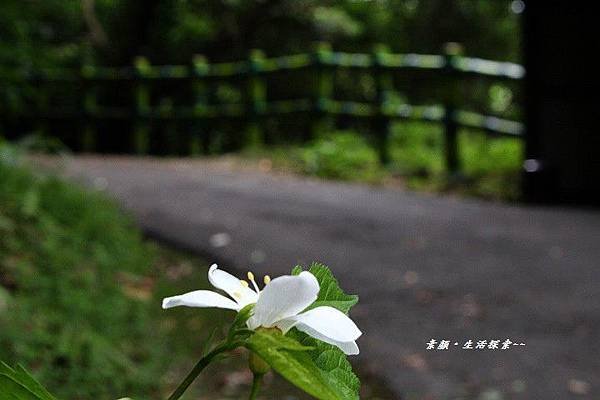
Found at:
[36, 34]
[50, 32]
[39, 33]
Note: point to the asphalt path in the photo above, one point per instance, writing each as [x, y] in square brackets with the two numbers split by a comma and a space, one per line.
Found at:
[425, 267]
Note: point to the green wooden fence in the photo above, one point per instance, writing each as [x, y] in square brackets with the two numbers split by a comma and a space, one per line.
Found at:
[322, 107]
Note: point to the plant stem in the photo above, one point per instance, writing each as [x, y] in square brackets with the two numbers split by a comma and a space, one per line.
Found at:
[256, 381]
[200, 365]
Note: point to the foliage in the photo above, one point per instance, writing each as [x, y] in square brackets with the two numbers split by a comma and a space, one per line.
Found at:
[55, 34]
[39, 34]
[416, 149]
[493, 164]
[330, 293]
[65, 259]
[21, 385]
[55, 31]
[341, 155]
[329, 358]
[292, 360]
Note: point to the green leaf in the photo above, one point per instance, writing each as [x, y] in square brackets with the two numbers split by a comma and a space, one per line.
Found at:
[17, 384]
[330, 293]
[31, 201]
[332, 361]
[238, 328]
[296, 270]
[242, 316]
[329, 359]
[292, 360]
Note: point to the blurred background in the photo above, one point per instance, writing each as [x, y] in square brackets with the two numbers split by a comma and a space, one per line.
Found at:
[355, 90]
[438, 155]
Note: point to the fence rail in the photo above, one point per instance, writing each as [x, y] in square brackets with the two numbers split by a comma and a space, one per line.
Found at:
[255, 70]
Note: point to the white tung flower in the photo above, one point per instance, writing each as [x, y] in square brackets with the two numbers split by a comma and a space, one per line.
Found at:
[279, 304]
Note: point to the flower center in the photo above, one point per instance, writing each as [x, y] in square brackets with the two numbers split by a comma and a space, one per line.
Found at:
[266, 281]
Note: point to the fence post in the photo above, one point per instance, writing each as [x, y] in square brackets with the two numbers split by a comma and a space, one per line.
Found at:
[90, 104]
[166, 113]
[257, 99]
[200, 136]
[384, 85]
[323, 58]
[141, 135]
[451, 51]
[41, 121]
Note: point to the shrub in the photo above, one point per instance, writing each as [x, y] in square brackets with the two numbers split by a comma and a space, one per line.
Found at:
[494, 164]
[341, 155]
[417, 148]
[490, 166]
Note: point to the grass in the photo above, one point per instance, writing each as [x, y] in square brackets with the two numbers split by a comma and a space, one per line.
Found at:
[80, 293]
[68, 259]
[490, 166]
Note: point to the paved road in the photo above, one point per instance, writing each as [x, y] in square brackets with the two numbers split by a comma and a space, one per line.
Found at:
[425, 267]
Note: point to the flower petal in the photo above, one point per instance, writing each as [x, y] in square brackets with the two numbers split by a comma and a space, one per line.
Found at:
[349, 348]
[232, 286]
[200, 298]
[327, 324]
[284, 297]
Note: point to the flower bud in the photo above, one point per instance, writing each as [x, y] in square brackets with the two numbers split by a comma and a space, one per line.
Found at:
[257, 365]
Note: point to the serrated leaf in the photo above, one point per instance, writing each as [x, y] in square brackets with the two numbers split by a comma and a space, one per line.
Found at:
[332, 361]
[292, 360]
[330, 293]
[17, 384]
[296, 270]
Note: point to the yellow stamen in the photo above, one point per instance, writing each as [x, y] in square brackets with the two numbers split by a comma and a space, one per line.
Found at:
[251, 278]
[244, 283]
[237, 295]
[267, 279]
